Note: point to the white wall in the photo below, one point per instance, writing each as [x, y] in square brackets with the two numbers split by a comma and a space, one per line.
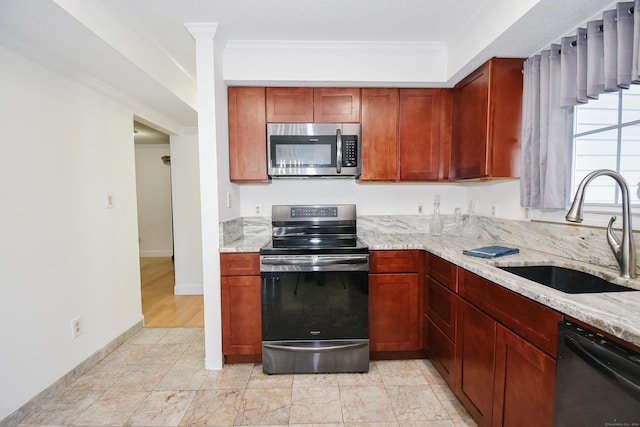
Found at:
[63, 254]
[153, 187]
[185, 180]
[385, 199]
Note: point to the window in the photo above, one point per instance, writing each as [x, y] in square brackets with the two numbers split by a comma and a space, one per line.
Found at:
[606, 135]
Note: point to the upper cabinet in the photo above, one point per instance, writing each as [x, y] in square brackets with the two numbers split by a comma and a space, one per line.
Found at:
[247, 134]
[379, 134]
[289, 104]
[423, 135]
[405, 134]
[487, 108]
[427, 134]
[319, 105]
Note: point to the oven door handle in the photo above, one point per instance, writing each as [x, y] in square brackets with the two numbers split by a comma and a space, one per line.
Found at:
[592, 360]
[315, 262]
[315, 349]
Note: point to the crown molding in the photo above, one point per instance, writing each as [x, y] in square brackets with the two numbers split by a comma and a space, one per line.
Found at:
[307, 47]
[202, 29]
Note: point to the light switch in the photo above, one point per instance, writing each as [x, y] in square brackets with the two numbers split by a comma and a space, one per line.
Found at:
[108, 200]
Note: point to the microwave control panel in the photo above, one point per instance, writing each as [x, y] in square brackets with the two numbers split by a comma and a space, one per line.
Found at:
[350, 150]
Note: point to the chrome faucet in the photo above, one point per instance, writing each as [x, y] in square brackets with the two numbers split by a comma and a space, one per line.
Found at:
[625, 251]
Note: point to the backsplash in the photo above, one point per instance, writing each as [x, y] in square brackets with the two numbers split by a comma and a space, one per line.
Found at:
[580, 243]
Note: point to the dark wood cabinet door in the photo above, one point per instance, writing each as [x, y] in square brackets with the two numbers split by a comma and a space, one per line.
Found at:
[379, 134]
[524, 383]
[394, 312]
[469, 153]
[336, 105]
[247, 134]
[475, 354]
[241, 315]
[289, 104]
[487, 107]
[422, 136]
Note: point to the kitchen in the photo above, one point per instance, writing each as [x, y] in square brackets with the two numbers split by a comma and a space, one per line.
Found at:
[243, 201]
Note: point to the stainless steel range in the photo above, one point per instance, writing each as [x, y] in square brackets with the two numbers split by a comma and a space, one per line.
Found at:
[315, 292]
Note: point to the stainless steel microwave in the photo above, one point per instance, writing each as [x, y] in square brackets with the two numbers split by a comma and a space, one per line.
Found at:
[314, 150]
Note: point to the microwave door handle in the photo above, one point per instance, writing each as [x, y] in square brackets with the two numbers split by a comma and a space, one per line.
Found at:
[339, 151]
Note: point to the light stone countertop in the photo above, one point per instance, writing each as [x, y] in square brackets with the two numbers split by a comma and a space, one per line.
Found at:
[617, 313]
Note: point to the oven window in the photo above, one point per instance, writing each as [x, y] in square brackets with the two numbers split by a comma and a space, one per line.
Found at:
[315, 305]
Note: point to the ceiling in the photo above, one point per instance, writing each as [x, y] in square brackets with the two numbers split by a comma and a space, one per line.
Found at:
[140, 52]
[143, 134]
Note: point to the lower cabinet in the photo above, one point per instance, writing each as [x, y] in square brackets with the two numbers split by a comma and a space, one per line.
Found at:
[440, 324]
[394, 301]
[501, 376]
[496, 349]
[524, 382]
[241, 307]
[475, 356]
[393, 312]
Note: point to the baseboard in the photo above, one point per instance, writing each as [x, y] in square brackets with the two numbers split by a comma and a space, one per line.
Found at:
[19, 414]
[188, 289]
[155, 254]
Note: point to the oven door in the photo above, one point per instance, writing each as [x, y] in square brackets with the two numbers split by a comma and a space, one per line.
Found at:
[315, 321]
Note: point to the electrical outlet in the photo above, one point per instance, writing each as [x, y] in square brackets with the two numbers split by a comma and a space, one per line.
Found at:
[258, 209]
[76, 327]
[494, 208]
[228, 199]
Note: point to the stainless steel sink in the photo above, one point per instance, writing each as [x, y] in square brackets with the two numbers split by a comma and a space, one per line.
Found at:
[565, 279]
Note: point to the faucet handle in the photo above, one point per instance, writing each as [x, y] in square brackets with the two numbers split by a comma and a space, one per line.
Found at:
[613, 240]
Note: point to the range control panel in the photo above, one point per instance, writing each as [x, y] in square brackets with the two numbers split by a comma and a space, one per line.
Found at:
[314, 212]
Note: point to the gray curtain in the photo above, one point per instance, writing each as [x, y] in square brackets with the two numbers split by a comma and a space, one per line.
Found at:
[603, 57]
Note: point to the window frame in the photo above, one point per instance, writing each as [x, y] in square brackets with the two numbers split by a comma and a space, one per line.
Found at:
[595, 214]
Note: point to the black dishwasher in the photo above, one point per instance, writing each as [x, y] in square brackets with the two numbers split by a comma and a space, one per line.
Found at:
[597, 380]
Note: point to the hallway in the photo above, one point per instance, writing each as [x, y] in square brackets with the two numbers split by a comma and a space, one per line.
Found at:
[160, 307]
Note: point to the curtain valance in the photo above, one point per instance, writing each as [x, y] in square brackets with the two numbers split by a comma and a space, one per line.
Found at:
[603, 57]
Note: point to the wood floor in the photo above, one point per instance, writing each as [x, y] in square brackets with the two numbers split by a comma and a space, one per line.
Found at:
[160, 307]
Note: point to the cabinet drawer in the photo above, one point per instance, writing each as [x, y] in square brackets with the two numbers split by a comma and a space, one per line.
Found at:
[444, 272]
[441, 351]
[441, 308]
[239, 264]
[394, 261]
[532, 321]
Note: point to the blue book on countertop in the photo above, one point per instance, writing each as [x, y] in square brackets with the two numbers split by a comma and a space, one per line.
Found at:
[490, 251]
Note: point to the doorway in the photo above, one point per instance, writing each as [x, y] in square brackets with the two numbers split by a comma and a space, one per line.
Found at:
[160, 306]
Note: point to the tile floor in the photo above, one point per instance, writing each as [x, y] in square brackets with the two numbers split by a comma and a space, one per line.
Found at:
[157, 378]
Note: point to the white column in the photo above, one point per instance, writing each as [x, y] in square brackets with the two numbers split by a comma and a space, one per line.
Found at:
[204, 35]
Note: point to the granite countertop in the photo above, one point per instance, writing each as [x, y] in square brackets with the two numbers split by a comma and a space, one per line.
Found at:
[617, 313]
